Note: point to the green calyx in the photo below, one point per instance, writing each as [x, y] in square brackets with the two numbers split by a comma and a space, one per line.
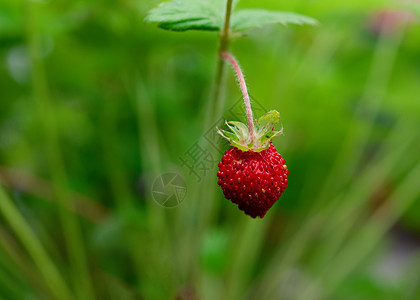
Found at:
[241, 138]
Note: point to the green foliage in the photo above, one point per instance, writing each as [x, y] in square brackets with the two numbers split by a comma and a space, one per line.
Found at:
[255, 18]
[182, 15]
[213, 252]
[130, 100]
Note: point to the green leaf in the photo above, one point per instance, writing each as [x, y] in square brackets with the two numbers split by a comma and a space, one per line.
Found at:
[182, 15]
[251, 18]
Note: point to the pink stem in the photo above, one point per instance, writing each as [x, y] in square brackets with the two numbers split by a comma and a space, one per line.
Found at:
[244, 90]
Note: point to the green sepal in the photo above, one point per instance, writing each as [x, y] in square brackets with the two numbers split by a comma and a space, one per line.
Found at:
[238, 137]
[240, 129]
[264, 133]
[272, 117]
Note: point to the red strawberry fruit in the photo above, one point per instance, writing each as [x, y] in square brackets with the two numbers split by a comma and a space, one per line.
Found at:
[253, 180]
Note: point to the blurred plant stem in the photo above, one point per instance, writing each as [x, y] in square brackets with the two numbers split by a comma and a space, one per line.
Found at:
[204, 193]
[27, 237]
[112, 161]
[145, 247]
[46, 117]
[34, 185]
[246, 249]
[219, 88]
[14, 253]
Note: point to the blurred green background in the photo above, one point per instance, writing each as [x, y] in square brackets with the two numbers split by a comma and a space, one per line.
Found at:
[96, 104]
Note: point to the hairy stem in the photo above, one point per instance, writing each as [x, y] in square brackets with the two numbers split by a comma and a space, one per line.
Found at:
[244, 90]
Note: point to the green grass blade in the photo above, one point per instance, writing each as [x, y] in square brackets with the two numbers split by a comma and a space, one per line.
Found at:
[34, 247]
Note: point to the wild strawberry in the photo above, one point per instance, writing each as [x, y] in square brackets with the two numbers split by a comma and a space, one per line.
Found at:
[253, 180]
[252, 174]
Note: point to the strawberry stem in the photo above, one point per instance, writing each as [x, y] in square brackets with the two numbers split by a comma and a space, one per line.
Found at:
[229, 57]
